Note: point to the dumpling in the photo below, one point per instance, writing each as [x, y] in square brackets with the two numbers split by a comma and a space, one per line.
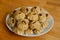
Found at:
[35, 25]
[18, 31]
[33, 17]
[11, 14]
[28, 31]
[36, 31]
[42, 17]
[11, 22]
[25, 10]
[44, 24]
[19, 15]
[23, 24]
[45, 13]
[36, 9]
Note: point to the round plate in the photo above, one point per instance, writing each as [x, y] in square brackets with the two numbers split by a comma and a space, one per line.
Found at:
[50, 21]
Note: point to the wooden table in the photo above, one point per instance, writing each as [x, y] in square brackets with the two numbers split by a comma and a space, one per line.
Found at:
[53, 6]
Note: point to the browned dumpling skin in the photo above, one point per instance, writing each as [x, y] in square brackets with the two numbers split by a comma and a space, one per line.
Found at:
[11, 22]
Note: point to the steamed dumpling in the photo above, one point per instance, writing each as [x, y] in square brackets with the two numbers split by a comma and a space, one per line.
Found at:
[23, 24]
[19, 15]
[33, 17]
[18, 31]
[28, 31]
[36, 9]
[11, 22]
[44, 24]
[25, 10]
[35, 25]
[36, 31]
[42, 17]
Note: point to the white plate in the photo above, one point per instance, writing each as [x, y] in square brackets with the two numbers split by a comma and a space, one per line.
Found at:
[50, 21]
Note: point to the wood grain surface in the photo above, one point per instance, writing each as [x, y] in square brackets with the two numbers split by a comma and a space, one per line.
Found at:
[53, 6]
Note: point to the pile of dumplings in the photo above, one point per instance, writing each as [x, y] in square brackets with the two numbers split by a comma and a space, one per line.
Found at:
[28, 20]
